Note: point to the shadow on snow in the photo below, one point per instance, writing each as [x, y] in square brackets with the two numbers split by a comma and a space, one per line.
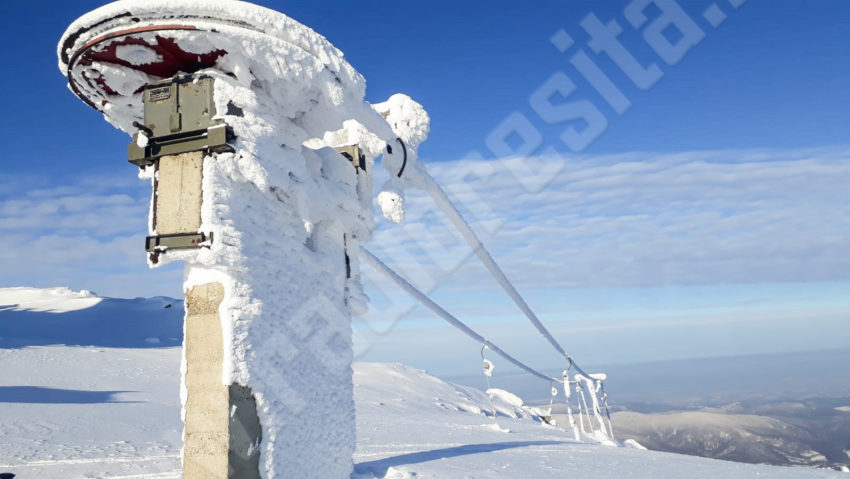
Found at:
[379, 467]
[40, 395]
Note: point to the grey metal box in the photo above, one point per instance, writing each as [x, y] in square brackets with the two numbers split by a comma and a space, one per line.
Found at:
[178, 119]
[179, 105]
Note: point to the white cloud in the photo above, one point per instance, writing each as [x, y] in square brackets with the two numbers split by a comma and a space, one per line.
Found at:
[86, 234]
[629, 219]
[643, 219]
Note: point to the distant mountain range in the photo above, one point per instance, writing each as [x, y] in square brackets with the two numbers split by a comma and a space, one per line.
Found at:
[812, 432]
[783, 409]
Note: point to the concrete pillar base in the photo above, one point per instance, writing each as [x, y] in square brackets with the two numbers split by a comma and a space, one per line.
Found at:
[222, 431]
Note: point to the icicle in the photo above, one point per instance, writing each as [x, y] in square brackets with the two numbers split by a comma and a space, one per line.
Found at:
[593, 385]
[582, 405]
[552, 394]
[604, 399]
[488, 371]
[568, 393]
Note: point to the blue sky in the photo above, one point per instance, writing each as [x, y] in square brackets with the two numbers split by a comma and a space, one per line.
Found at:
[774, 74]
[723, 182]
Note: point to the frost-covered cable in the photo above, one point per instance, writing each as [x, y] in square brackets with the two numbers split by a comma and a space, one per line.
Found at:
[445, 203]
[436, 308]
[579, 369]
[404, 161]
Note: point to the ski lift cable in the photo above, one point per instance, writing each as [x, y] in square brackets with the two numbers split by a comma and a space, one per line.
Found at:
[430, 304]
[450, 210]
[445, 203]
[437, 309]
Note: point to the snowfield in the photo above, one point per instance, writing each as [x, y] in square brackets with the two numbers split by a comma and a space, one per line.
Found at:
[92, 411]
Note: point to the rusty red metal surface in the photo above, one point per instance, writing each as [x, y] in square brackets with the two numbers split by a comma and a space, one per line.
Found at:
[174, 59]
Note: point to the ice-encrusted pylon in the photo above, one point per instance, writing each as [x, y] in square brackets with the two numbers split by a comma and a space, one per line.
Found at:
[273, 280]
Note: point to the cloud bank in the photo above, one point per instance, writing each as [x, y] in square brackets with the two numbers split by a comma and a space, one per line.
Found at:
[638, 219]
[85, 232]
[635, 219]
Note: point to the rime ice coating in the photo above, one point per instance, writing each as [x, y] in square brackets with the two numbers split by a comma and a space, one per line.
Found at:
[283, 214]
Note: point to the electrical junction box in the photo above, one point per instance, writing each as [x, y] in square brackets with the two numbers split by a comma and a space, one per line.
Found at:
[178, 119]
[177, 135]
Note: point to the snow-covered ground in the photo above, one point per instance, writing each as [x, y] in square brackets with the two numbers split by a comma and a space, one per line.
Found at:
[87, 411]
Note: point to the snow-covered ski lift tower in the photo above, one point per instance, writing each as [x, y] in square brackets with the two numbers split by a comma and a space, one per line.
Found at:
[256, 138]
